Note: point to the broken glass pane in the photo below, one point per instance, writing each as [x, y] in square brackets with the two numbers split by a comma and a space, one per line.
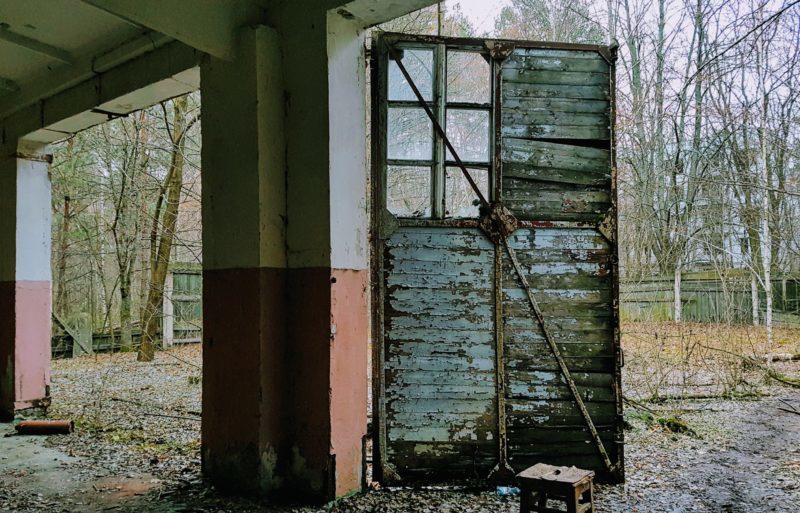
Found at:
[469, 78]
[419, 64]
[460, 199]
[468, 132]
[409, 134]
[408, 191]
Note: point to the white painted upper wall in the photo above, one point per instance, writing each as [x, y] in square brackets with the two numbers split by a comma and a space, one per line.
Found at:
[347, 146]
[33, 221]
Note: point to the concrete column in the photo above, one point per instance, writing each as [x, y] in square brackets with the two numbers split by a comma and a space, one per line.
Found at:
[245, 409]
[327, 246]
[286, 320]
[25, 283]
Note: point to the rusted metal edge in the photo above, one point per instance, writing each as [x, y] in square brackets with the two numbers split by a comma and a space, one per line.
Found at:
[438, 223]
[609, 53]
[619, 434]
[532, 225]
[608, 225]
[559, 358]
[389, 224]
[33, 157]
[393, 37]
[500, 50]
[376, 253]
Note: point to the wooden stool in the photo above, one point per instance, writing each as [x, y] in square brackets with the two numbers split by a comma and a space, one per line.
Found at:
[569, 484]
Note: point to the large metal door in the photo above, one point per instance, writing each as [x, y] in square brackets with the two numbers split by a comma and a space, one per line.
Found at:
[495, 300]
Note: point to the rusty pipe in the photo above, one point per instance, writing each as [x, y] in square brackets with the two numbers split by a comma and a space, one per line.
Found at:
[45, 427]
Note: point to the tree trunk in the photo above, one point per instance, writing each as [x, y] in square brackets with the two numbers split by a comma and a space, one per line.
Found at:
[126, 327]
[678, 305]
[62, 292]
[754, 300]
[766, 183]
[159, 268]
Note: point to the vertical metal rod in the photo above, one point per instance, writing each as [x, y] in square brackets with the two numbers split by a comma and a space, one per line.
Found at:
[440, 104]
[502, 470]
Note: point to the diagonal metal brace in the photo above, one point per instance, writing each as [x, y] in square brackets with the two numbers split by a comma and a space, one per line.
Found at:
[559, 358]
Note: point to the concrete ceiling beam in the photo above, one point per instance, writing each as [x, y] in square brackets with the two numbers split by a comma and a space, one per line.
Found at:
[6, 34]
[373, 12]
[52, 82]
[207, 25]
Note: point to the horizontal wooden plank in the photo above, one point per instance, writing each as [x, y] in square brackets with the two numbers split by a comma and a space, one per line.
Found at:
[439, 236]
[523, 74]
[527, 435]
[394, 324]
[475, 277]
[602, 365]
[543, 116]
[556, 131]
[483, 378]
[523, 377]
[513, 91]
[538, 412]
[454, 349]
[565, 105]
[559, 393]
[549, 150]
[557, 60]
[577, 239]
[596, 279]
[404, 257]
[438, 363]
[439, 433]
[418, 405]
[575, 320]
[556, 175]
[419, 269]
[573, 343]
[556, 52]
[436, 336]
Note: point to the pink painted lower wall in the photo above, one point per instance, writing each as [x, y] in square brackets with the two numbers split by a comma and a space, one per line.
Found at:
[349, 379]
[25, 310]
[7, 331]
[285, 380]
[243, 412]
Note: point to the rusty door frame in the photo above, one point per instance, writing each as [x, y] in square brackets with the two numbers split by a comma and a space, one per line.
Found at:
[382, 223]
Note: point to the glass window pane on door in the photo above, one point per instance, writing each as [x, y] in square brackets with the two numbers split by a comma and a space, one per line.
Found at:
[408, 191]
[460, 199]
[419, 64]
[469, 78]
[468, 131]
[409, 134]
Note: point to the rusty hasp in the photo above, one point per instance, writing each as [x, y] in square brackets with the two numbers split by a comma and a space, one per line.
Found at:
[498, 222]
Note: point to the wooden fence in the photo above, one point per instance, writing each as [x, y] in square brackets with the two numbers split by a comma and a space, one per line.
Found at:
[182, 320]
[706, 297]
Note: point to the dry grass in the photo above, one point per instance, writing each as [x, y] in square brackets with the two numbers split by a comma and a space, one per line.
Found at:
[667, 359]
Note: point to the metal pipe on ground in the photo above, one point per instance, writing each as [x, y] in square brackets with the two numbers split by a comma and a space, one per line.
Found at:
[45, 427]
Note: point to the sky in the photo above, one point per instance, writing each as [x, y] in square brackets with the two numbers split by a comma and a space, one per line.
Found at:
[481, 13]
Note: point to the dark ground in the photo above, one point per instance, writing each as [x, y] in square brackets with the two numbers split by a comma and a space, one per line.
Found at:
[124, 456]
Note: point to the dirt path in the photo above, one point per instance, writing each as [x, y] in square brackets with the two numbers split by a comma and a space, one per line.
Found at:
[745, 458]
